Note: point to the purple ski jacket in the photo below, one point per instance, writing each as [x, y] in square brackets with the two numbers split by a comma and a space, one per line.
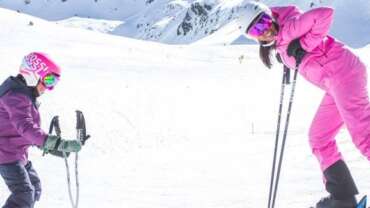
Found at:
[19, 121]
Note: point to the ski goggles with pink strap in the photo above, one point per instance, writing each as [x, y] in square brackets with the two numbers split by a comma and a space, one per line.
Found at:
[50, 81]
[259, 27]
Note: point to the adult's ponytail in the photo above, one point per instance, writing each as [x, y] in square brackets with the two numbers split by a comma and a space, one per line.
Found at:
[266, 50]
[265, 54]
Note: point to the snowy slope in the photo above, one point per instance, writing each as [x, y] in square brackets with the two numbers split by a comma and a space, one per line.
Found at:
[187, 21]
[172, 126]
[99, 25]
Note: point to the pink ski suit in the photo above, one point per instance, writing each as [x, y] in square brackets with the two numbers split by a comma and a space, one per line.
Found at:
[329, 65]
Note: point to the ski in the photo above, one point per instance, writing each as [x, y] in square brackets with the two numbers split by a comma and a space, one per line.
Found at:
[362, 203]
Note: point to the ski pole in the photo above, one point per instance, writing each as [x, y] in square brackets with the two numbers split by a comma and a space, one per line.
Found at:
[55, 124]
[282, 90]
[275, 181]
[81, 136]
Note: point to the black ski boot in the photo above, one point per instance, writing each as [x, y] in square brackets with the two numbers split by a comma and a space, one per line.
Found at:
[340, 185]
[330, 202]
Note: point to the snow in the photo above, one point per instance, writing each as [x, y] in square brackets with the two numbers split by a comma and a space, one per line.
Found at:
[172, 125]
[159, 20]
[163, 22]
[98, 25]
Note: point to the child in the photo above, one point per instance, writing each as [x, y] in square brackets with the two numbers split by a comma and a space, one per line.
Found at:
[20, 128]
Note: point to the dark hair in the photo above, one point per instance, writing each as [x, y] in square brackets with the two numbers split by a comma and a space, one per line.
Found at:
[265, 51]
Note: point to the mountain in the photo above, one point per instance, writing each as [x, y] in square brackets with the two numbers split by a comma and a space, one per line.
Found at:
[188, 21]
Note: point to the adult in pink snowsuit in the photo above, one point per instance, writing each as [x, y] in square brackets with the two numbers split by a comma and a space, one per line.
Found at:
[301, 41]
[335, 69]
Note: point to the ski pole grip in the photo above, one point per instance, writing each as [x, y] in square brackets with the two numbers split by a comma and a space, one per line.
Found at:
[287, 74]
[81, 127]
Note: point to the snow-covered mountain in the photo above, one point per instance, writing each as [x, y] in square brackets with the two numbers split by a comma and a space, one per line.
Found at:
[187, 21]
[62, 9]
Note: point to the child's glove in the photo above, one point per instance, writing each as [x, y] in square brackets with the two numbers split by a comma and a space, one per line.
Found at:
[56, 144]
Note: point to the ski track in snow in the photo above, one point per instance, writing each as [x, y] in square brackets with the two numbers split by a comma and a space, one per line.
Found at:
[172, 126]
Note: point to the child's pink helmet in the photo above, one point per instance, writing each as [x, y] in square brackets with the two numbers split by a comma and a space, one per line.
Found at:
[35, 66]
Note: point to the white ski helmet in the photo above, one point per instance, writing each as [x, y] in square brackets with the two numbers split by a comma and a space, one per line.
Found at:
[251, 11]
[36, 66]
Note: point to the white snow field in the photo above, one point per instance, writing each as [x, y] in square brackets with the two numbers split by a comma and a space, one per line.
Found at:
[186, 126]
